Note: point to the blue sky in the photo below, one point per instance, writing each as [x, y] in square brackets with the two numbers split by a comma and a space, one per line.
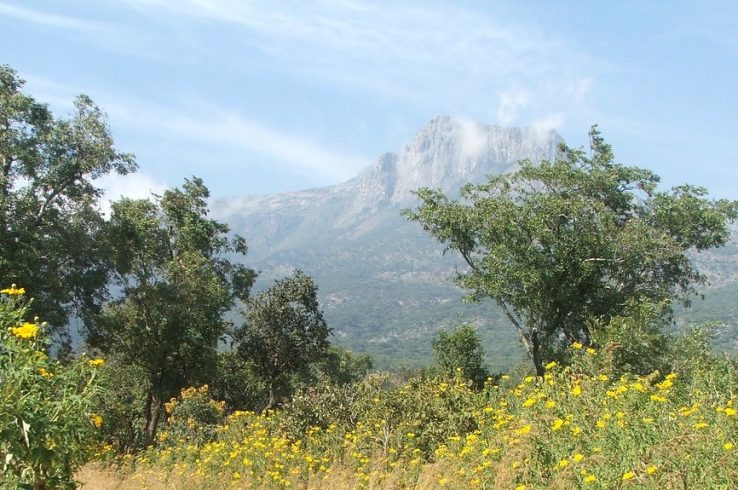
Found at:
[272, 96]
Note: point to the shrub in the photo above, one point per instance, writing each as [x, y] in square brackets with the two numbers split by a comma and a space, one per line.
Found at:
[192, 418]
[47, 422]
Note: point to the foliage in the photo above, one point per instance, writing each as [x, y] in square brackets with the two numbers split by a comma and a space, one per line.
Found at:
[572, 428]
[173, 267]
[341, 366]
[47, 422]
[123, 406]
[634, 342]
[284, 334]
[238, 384]
[461, 349]
[50, 225]
[560, 243]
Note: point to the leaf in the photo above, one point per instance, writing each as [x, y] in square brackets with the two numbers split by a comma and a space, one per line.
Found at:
[25, 426]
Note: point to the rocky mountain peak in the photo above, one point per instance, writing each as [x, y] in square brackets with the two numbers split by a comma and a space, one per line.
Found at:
[449, 152]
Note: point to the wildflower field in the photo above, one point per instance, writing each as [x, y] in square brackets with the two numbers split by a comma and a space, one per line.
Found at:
[573, 428]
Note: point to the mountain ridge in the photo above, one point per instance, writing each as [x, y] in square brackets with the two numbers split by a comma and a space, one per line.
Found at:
[385, 286]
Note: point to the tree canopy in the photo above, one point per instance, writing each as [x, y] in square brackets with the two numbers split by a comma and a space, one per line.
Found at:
[562, 242]
[49, 218]
[173, 268]
[284, 333]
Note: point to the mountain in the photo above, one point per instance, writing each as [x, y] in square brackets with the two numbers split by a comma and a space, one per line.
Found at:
[385, 286]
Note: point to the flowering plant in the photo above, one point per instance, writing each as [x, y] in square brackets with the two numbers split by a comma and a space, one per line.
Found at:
[47, 426]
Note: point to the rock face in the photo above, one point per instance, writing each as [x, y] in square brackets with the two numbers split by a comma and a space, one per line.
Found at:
[384, 285]
[445, 154]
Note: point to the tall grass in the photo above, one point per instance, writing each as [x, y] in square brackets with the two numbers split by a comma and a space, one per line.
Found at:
[576, 427]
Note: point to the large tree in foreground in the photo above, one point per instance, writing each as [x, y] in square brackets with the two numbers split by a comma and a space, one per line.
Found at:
[49, 219]
[563, 242]
[173, 267]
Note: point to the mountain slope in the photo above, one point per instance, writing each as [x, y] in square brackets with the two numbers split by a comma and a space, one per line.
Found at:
[384, 284]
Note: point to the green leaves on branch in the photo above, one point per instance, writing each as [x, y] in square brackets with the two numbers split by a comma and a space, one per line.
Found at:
[558, 243]
[173, 267]
[284, 334]
[49, 217]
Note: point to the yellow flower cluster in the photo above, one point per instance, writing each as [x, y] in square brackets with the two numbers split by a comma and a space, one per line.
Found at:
[13, 291]
[25, 331]
[565, 429]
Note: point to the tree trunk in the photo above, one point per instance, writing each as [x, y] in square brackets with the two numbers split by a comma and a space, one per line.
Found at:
[153, 408]
[272, 399]
[535, 352]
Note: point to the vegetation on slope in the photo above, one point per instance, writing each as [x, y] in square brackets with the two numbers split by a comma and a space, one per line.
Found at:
[582, 426]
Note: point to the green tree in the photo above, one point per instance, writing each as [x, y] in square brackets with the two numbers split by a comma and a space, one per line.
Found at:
[284, 334]
[341, 367]
[49, 217]
[173, 267]
[562, 242]
[461, 349]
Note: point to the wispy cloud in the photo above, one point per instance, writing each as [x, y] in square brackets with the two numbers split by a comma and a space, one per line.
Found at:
[221, 128]
[52, 20]
[454, 56]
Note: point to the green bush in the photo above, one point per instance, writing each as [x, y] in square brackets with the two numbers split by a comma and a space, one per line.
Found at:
[47, 423]
[192, 418]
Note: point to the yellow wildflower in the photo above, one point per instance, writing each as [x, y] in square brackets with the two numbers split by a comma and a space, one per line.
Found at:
[628, 475]
[591, 351]
[577, 390]
[563, 463]
[590, 479]
[730, 412]
[651, 469]
[530, 402]
[96, 362]
[578, 457]
[26, 331]
[44, 373]
[13, 291]
[96, 420]
[550, 365]
[577, 345]
[728, 446]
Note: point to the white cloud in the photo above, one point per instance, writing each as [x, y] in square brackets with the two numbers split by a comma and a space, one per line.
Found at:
[552, 122]
[210, 126]
[52, 20]
[579, 89]
[472, 138]
[238, 132]
[453, 56]
[134, 186]
[511, 102]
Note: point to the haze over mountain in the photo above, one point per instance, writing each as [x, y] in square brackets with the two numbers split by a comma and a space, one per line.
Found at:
[384, 285]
